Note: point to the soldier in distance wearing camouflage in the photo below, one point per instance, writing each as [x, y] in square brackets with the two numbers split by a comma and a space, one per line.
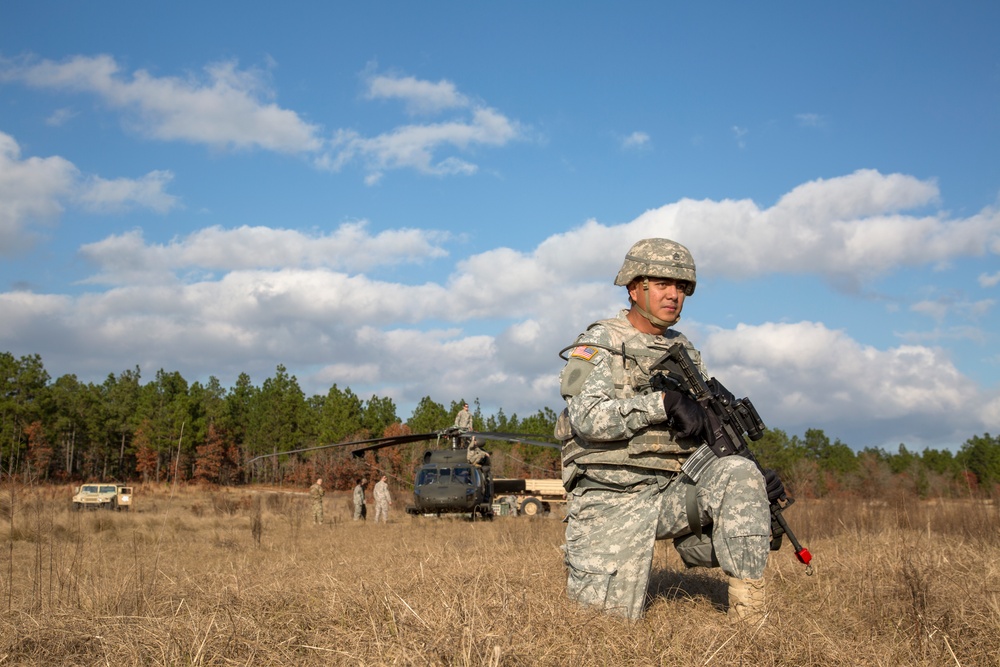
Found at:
[316, 494]
[360, 509]
[463, 419]
[623, 446]
[382, 499]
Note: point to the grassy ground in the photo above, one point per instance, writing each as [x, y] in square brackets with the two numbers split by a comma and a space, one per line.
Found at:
[220, 577]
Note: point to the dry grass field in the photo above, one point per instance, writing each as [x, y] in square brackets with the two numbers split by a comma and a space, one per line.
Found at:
[241, 577]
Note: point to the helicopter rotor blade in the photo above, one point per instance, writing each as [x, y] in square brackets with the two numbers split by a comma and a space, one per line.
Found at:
[374, 444]
[381, 442]
[392, 441]
[514, 437]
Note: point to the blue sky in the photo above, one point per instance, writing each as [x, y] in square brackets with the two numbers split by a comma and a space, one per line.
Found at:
[431, 199]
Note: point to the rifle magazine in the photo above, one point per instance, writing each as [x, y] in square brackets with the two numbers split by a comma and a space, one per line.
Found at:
[695, 464]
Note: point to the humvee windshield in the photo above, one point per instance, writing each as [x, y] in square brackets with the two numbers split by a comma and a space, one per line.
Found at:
[109, 489]
[89, 488]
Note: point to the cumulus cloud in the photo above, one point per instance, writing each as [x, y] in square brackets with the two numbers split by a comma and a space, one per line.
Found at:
[34, 192]
[419, 147]
[848, 229]
[224, 106]
[807, 374]
[104, 195]
[127, 258]
[420, 97]
[244, 299]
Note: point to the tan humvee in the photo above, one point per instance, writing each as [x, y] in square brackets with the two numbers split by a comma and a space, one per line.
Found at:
[102, 495]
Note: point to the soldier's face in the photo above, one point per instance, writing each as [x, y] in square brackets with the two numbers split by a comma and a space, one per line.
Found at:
[664, 298]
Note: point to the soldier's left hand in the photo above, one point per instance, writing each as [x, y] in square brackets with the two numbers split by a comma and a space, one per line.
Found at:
[775, 489]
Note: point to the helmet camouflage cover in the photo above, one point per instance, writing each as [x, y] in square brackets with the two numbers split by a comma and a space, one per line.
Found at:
[658, 258]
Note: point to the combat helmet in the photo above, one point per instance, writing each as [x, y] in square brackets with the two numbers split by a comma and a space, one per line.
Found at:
[658, 258]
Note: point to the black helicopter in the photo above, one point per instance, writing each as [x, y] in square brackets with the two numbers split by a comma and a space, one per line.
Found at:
[445, 481]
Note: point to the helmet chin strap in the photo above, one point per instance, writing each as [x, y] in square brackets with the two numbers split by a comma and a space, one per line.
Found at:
[654, 320]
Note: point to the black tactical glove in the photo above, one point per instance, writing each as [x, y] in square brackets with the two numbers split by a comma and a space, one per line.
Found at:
[685, 416]
[775, 489]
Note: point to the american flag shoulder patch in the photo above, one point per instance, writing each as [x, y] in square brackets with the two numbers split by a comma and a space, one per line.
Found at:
[585, 352]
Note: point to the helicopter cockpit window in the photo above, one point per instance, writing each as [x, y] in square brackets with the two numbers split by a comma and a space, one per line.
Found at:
[444, 475]
[463, 476]
[428, 476]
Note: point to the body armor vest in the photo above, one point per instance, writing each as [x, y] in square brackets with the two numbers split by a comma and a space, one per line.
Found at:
[654, 447]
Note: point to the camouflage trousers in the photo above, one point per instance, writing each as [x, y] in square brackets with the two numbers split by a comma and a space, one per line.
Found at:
[611, 530]
[318, 512]
[382, 511]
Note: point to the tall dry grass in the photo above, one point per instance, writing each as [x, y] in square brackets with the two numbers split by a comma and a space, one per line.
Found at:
[200, 577]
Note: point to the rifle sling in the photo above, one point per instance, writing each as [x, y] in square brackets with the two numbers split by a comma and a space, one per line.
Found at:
[694, 516]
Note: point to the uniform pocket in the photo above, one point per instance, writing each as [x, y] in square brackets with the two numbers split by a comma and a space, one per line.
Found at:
[588, 584]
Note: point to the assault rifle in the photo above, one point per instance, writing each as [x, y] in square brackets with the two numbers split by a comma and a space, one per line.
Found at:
[729, 419]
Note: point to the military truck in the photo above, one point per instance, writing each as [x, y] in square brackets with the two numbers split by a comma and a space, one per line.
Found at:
[102, 495]
[527, 497]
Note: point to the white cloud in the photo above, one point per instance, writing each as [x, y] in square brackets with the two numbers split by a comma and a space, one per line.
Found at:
[988, 280]
[34, 191]
[60, 117]
[102, 195]
[227, 301]
[847, 229]
[636, 140]
[126, 258]
[224, 107]
[418, 146]
[228, 107]
[420, 97]
[808, 374]
[30, 193]
[945, 307]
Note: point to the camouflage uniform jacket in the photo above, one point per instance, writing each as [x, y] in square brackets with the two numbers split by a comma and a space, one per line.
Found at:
[359, 495]
[613, 417]
[316, 493]
[463, 420]
[382, 494]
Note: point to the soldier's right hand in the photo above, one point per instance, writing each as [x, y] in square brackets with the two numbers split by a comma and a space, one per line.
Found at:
[685, 416]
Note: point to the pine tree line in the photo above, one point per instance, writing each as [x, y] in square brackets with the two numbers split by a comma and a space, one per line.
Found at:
[170, 430]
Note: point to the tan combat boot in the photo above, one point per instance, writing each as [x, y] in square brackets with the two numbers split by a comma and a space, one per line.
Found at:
[746, 599]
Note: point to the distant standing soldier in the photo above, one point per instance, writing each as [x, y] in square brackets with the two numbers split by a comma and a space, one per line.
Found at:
[382, 500]
[359, 500]
[463, 419]
[316, 493]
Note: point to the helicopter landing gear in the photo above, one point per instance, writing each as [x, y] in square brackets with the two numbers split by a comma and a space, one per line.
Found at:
[485, 512]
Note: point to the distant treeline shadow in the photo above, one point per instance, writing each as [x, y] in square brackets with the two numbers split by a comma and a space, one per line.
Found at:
[688, 584]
